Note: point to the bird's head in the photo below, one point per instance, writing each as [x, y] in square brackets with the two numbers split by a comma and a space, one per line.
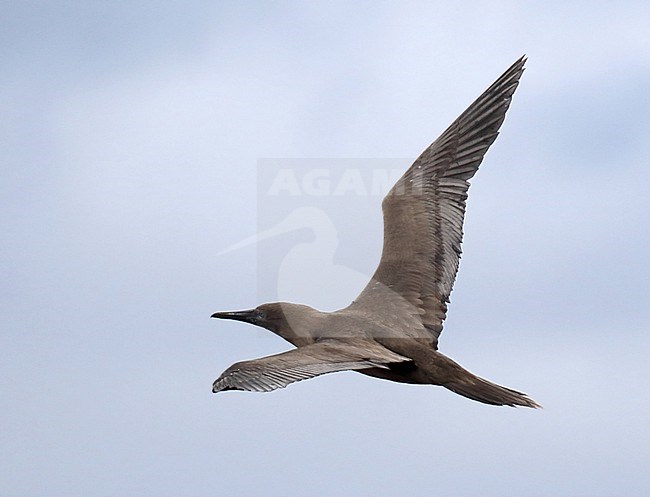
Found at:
[290, 321]
[269, 316]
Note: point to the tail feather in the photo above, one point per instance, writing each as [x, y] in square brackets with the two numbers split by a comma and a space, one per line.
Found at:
[476, 388]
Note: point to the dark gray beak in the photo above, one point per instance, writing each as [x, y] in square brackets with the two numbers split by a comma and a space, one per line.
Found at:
[246, 316]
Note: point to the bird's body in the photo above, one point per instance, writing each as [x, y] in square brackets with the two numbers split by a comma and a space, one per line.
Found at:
[391, 330]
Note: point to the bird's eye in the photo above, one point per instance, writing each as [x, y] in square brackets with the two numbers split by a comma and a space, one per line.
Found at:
[260, 314]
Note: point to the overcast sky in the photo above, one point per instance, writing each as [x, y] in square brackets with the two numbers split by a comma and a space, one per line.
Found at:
[132, 135]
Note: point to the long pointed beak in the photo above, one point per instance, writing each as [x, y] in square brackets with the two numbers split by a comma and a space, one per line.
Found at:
[245, 316]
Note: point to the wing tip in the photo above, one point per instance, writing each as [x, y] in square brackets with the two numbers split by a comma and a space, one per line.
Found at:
[218, 386]
[521, 61]
[518, 66]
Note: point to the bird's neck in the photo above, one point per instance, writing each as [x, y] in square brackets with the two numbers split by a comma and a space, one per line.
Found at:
[302, 329]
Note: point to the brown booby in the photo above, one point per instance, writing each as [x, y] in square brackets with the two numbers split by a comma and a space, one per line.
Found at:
[391, 330]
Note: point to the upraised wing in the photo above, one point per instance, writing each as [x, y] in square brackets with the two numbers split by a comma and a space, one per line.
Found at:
[424, 213]
[327, 356]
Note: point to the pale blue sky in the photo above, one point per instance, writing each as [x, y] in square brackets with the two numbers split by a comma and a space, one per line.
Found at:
[131, 135]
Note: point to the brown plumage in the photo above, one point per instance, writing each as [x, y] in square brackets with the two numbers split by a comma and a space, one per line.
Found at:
[391, 330]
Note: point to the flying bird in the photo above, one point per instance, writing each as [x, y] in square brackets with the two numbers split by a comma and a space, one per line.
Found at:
[391, 329]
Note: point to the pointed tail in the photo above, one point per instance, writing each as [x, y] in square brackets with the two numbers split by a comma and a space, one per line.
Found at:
[475, 388]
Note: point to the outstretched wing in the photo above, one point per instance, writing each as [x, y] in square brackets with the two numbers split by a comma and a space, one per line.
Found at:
[328, 356]
[424, 213]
